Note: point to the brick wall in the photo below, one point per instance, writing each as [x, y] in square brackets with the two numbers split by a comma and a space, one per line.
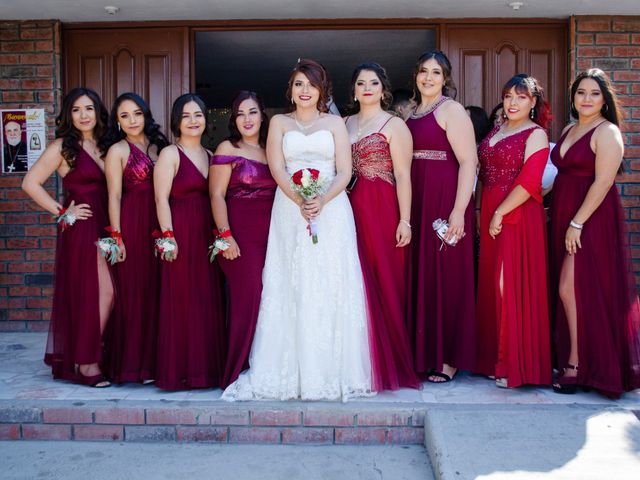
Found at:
[29, 78]
[613, 44]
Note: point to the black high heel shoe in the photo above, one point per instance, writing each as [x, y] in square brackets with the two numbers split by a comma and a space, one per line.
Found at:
[567, 385]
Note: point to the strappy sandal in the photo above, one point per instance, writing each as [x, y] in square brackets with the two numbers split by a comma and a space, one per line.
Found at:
[95, 381]
[502, 382]
[567, 385]
[445, 378]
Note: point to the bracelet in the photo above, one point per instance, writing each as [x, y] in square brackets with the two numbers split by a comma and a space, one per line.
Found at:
[498, 213]
[576, 225]
[222, 233]
[168, 233]
[405, 222]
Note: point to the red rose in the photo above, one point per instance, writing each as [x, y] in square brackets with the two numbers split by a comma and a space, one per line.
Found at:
[314, 174]
[297, 177]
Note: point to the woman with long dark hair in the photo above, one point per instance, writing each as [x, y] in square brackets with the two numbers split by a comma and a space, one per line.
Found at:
[136, 141]
[191, 333]
[241, 190]
[83, 292]
[597, 314]
[513, 342]
[441, 280]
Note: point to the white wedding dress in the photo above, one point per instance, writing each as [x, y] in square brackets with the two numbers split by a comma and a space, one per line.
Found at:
[311, 339]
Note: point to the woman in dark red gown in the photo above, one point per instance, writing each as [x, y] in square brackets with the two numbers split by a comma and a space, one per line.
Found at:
[441, 315]
[191, 334]
[597, 310]
[242, 191]
[381, 202]
[513, 342]
[83, 293]
[136, 141]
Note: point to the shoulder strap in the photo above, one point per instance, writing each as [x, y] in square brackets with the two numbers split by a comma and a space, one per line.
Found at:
[385, 123]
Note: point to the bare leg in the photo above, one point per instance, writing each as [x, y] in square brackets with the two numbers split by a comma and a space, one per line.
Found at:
[500, 381]
[568, 298]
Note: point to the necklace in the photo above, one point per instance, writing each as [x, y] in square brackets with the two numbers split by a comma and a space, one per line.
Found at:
[505, 132]
[249, 144]
[302, 126]
[429, 108]
[363, 127]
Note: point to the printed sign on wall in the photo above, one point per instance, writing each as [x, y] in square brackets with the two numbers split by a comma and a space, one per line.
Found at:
[23, 138]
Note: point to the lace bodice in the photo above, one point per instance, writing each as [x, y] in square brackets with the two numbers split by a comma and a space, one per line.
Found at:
[315, 150]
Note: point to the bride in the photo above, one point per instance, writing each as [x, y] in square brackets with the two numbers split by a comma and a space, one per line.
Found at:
[311, 340]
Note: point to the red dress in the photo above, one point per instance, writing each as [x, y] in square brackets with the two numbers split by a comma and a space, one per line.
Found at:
[131, 334]
[513, 339]
[441, 310]
[249, 200]
[191, 333]
[384, 266]
[605, 290]
[74, 330]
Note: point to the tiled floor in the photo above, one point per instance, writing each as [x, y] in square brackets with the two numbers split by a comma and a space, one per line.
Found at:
[23, 375]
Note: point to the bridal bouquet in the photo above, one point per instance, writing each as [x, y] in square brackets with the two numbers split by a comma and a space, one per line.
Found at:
[308, 184]
[109, 247]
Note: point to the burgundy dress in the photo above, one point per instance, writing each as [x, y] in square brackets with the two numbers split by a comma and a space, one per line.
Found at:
[384, 266]
[441, 317]
[513, 339]
[249, 200]
[605, 290]
[131, 333]
[191, 333]
[74, 330]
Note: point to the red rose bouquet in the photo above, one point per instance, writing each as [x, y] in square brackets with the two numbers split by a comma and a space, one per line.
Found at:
[308, 184]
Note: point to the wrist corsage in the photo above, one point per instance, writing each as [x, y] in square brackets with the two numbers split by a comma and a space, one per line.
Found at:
[165, 244]
[65, 218]
[220, 244]
[109, 247]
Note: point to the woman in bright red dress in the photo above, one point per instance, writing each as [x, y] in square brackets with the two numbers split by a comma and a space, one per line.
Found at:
[83, 292]
[242, 190]
[136, 141]
[191, 334]
[513, 341]
[597, 314]
[441, 280]
[381, 148]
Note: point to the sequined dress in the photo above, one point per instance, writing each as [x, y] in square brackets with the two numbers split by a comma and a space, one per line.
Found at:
[441, 317]
[513, 339]
[131, 334]
[375, 209]
[249, 200]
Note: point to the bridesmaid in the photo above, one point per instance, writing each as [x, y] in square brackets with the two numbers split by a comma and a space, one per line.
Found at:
[242, 191]
[381, 199]
[83, 292]
[441, 280]
[191, 335]
[513, 341]
[136, 142]
[597, 314]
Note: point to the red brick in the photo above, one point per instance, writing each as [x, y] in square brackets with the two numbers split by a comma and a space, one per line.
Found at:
[584, 63]
[16, 194]
[593, 25]
[114, 433]
[47, 291]
[223, 417]
[9, 432]
[22, 243]
[17, 97]
[8, 34]
[329, 418]
[635, 253]
[46, 432]
[627, 76]
[202, 434]
[120, 416]
[38, 326]
[24, 267]
[635, 39]
[360, 436]
[612, 38]
[21, 219]
[307, 436]
[10, 181]
[14, 279]
[67, 415]
[48, 231]
[173, 416]
[594, 51]
[17, 47]
[44, 72]
[36, 33]
[47, 267]
[632, 190]
[627, 51]
[275, 417]
[635, 63]
[406, 436]
[43, 46]
[635, 88]
[36, 59]
[585, 39]
[145, 433]
[11, 255]
[11, 206]
[41, 255]
[9, 84]
[630, 202]
[632, 24]
[38, 84]
[635, 215]
[254, 435]
[47, 243]
[9, 59]
[633, 226]
[39, 303]
[17, 302]
[383, 418]
[25, 291]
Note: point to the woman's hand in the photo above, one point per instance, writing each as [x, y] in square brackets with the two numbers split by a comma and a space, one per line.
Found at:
[313, 207]
[233, 251]
[456, 226]
[403, 234]
[495, 227]
[172, 255]
[122, 254]
[82, 211]
[572, 240]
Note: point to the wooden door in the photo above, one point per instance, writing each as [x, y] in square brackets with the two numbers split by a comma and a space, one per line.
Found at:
[484, 56]
[153, 62]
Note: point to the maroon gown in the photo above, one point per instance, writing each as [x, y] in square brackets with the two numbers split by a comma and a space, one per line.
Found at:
[605, 290]
[513, 339]
[191, 334]
[441, 316]
[130, 338]
[74, 330]
[249, 200]
[384, 266]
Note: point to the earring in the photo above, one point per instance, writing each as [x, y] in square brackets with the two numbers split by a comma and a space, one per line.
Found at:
[292, 101]
[355, 99]
[532, 114]
[605, 108]
[119, 127]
